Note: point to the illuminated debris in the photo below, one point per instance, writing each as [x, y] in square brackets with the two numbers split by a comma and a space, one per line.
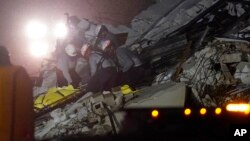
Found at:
[165, 17]
[231, 58]
[87, 116]
[212, 70]
[243, 72]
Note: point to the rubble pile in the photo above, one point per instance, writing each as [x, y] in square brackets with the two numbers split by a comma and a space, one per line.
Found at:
[160, 19]
[87, 116]
[163, 77]
[216, 71]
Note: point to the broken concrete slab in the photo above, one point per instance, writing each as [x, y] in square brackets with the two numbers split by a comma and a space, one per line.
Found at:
[227, 74]
[178, 17]
[208, 101]
[231, 58]
[120, 117]
[164, 95]
[39, 134]
[242, 72]
[245, 75]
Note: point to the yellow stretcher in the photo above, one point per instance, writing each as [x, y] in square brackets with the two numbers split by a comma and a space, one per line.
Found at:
[53, 96]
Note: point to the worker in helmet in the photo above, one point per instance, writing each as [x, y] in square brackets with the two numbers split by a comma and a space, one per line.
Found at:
[81, 29]
[103, 34]
[102, 68]
[132, 71]
[75, 69]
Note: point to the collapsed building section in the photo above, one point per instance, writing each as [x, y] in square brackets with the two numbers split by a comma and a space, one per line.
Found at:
[195, 49]
[218, 72]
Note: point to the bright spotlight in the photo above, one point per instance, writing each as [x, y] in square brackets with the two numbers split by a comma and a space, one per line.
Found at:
[39, 49]
[36, 30]
[60, 30]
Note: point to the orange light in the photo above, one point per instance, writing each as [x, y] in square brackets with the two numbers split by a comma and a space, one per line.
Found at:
[203, 111]
[155, 113]
[187, 111]
[218, 111]
[245, 108]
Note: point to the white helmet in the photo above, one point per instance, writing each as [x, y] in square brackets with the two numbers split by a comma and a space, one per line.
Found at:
[70, 50]
[83, 25]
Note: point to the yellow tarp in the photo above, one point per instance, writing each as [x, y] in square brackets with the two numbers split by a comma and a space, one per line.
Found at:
[53, 95]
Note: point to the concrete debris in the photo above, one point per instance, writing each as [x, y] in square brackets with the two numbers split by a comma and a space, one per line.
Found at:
[102, 129]
[160, 19]
[239, 70]
[179, 16]
[217, 66]
[82, 113]
[245, 75]
[208, 101]
[86, 116]
[170, 94]
[231, 58]
[196, 95]
[41, 132]
[163, 77]
[58, 115]
[235, 9]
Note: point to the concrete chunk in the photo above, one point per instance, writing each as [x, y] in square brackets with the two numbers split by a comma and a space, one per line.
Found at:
[231, 58]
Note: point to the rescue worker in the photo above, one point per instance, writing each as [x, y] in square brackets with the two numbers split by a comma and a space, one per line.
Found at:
[81, 30]
[131, 67]
[131, 70]
[103, 34]
[16, 110]
[102, 68]
[75, 69]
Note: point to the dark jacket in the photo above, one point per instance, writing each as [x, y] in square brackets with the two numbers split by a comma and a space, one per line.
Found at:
[127, 59]
[98, 60]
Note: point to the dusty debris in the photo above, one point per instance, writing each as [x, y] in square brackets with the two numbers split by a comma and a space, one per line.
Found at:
[218, 66]
[231, 58]
[85, 116]
[163, 77]
[243, 72]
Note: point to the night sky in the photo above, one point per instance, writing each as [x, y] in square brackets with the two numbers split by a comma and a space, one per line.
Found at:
[15, 14]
